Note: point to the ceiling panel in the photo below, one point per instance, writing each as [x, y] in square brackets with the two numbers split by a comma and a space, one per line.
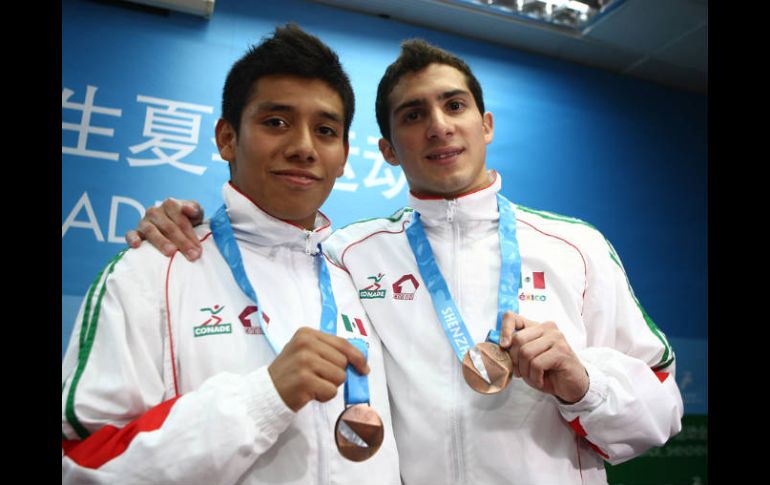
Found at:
[664, 41]
[670, 74]
[589, 52]
[645, 26]
[688, 51]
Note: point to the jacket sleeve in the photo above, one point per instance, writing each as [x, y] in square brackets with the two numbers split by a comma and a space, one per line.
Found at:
[633, 402]
[122, 421]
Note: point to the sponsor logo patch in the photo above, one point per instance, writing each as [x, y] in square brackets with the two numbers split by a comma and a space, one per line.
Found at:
[250, 320]
[405, 287]
[213, 324]
[374, 290]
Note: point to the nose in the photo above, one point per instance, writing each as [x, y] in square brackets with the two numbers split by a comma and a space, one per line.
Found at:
[301, 146]
[440, 125]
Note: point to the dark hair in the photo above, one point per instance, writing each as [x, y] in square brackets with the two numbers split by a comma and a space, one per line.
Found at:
[289, 51]
[416, 55]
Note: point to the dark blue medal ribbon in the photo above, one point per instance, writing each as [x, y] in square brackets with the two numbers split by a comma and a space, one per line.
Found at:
[224, 238]
[446, 309]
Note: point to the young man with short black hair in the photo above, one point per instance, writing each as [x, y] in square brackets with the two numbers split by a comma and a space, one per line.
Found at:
[226, 369]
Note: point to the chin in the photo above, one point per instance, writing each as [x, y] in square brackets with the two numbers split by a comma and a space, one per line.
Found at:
[456, 185]
[295, 217]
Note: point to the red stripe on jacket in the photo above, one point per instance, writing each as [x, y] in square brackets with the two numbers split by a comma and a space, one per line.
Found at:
[580, 431]
[110, 442]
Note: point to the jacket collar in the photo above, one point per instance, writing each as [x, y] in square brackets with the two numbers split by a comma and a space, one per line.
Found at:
[253, 225]
[479, 205]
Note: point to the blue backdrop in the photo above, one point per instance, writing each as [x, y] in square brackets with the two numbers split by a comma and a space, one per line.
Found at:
[141, 94]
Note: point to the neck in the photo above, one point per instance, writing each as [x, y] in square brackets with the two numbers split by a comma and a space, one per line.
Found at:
[482, 183]
[307, 223]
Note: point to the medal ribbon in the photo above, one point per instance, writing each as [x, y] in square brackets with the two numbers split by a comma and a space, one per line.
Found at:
[446, 309]
[357, 385]
[228, 247]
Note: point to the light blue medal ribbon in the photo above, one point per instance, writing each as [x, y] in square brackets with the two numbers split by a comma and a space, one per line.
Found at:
[228, 247]
[357, 385]
[446, 309]
[328, 322]
[510, 266]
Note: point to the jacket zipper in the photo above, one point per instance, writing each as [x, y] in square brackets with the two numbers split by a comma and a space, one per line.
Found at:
[450, 210]
[308, 241]
[323, 453]
[456, 381]
[321, 419]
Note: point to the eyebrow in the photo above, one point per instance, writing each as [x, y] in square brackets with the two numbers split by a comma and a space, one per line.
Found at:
[420, 101]
[285, 108]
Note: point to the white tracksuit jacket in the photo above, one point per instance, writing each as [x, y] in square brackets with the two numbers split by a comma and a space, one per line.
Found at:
[177, 401]
[449, 434]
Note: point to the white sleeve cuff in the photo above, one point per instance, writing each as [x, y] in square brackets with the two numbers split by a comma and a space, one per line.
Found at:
[264, 405]
[596, 395]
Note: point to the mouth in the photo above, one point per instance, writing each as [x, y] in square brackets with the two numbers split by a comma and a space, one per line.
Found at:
[300, 178]
[445, 155]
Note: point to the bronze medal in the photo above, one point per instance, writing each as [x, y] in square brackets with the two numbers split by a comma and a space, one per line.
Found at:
[358, 432]
[487, 368]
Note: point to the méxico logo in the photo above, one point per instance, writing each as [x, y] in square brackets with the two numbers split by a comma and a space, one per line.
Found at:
[535, 280]
[213, 325]
[405, 287]
[373, 290]
[359, 325]
[532, 281]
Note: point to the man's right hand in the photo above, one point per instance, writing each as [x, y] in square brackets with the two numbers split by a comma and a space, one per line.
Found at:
[170, 227]
[312, 366]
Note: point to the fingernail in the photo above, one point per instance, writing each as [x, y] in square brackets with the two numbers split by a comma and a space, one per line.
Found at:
[195, 209]
[169, 249]
[193, 253]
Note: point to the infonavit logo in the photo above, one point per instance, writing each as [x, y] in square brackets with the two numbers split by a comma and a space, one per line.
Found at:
[373, 290]
[216, 328]
[250, 320]
[405, 287]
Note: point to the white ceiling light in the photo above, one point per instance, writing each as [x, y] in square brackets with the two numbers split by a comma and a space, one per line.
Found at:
[574, 15]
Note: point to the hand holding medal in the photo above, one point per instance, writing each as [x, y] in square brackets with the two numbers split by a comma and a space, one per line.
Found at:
[311, 367]
[358, 432]
[543, 358]
[487, 367]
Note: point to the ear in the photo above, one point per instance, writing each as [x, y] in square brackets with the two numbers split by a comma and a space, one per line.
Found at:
[344, 162]
[488, 125]
[388, 153]
[226, 140]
